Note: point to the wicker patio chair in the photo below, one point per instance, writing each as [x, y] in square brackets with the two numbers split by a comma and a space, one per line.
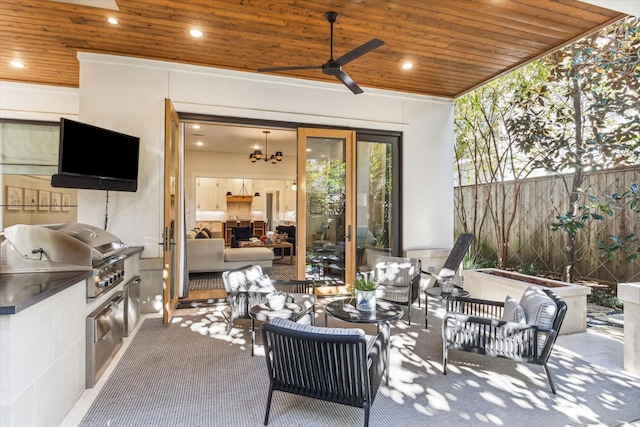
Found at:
[523, 332]
[398, 280]
[333, 364]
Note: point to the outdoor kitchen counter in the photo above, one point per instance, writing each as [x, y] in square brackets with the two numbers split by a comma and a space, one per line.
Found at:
[19, 291]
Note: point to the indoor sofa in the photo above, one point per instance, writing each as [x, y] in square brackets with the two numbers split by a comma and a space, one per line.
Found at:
[210, 255]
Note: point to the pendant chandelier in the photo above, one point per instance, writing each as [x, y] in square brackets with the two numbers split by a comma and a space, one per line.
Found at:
[257, 154]
[243, 192]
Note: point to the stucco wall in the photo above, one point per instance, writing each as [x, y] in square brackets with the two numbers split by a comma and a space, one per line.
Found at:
[128, 94]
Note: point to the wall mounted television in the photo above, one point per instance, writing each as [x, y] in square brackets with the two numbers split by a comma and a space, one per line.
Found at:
[95, 158]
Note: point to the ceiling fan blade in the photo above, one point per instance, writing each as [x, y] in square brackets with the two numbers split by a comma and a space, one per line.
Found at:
[300, 67]
[359, 51]
[344, 78]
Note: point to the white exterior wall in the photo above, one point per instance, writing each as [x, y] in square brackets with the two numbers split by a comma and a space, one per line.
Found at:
[38, 102]
[127, 95]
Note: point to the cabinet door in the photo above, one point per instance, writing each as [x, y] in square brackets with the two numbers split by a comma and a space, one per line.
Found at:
[222, 195]
[289, 198]
[212, 198]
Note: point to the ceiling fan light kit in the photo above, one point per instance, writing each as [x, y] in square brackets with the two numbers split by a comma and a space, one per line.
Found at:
[333, 67]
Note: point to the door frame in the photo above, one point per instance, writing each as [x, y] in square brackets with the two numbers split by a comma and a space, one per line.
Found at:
[174, 270]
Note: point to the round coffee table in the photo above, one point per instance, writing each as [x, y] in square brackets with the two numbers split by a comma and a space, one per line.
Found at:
[436, 292]
[344, 309]
[302, 305]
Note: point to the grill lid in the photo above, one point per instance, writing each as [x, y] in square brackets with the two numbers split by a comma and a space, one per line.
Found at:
[57, 247]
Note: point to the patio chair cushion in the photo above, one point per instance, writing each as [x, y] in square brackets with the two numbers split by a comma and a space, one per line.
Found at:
[286, 323]
[539, 309]
[250, 279]
[513, 311]
[394, 273]
[303, 325]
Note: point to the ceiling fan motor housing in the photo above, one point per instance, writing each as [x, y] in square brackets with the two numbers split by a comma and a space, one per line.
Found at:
[331, 69]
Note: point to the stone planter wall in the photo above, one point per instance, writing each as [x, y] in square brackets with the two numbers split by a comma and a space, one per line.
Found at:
[483, 285]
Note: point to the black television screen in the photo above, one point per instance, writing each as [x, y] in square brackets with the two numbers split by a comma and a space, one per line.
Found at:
[96, 158]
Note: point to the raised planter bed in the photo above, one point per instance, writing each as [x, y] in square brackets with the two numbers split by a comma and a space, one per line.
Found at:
[493, 284]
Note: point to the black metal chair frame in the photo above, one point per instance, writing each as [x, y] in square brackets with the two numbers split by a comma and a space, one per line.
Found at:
[414, 293]
[473, 325]
[332, 367]
[451, 265]
[240, 302]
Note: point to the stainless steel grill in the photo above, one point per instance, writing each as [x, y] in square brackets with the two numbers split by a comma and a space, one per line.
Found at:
[65, 247]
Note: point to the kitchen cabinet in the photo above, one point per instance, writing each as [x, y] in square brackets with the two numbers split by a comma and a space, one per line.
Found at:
[258, 203]
[288, 197]
[211, 194]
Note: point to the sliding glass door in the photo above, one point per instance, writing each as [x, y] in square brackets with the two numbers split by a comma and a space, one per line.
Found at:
[378, 190]
[326, 205]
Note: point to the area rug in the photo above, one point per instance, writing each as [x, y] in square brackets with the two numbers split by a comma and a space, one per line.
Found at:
[206, 281]
[190, 373]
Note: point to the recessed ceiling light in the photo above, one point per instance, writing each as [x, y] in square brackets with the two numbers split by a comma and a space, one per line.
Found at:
[199, 143]
[196, 33]
[112, 20]
[195, 126]
[17, 64]
[407, 66]
[308, 150]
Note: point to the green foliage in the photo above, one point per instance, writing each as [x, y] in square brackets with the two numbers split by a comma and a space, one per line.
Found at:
[573, 111]
[528, 268]
[604, 299]
[364, 283]
[482, 262]
[585, 115]
[590, 207]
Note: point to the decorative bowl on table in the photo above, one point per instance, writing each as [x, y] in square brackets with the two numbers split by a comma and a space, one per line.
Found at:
[276, 300]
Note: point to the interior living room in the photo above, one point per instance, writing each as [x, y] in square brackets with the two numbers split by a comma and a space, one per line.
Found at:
[146, 73]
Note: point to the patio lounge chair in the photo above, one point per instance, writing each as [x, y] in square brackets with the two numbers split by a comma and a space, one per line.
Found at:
[452, 264]
[523, 332]
[333, 364]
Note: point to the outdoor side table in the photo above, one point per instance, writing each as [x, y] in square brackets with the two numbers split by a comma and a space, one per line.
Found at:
[436, 292]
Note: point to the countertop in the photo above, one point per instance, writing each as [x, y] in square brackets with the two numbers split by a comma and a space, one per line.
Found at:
[19, 291]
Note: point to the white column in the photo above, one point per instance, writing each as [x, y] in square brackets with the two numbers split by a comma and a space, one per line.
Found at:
[629, 294]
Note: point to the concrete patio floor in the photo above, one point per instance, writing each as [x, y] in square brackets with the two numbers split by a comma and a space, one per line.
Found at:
[601, 345]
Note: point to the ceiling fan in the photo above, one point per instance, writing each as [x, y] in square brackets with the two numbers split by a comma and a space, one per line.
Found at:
[333, 67]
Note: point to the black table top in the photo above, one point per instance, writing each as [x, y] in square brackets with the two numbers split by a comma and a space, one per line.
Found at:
[436, 291]
[344, 309]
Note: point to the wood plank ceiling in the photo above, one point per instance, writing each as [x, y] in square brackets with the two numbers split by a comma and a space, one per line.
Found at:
[456, 45]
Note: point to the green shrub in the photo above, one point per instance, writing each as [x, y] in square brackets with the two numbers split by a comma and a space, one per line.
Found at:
[528, 268]
[482, 262]
[604, 298]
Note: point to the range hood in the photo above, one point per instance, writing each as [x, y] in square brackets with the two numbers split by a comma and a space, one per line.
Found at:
[243, 196]
[239, 199]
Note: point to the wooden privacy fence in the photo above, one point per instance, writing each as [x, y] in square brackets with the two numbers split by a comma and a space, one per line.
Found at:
[530, 239]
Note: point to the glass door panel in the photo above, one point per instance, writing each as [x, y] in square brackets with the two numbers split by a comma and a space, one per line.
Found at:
[375, 230]
[325, 203]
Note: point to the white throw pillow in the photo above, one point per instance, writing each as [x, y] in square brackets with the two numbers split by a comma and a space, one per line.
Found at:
[539, 308]
[513, 312]
[261, 284]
